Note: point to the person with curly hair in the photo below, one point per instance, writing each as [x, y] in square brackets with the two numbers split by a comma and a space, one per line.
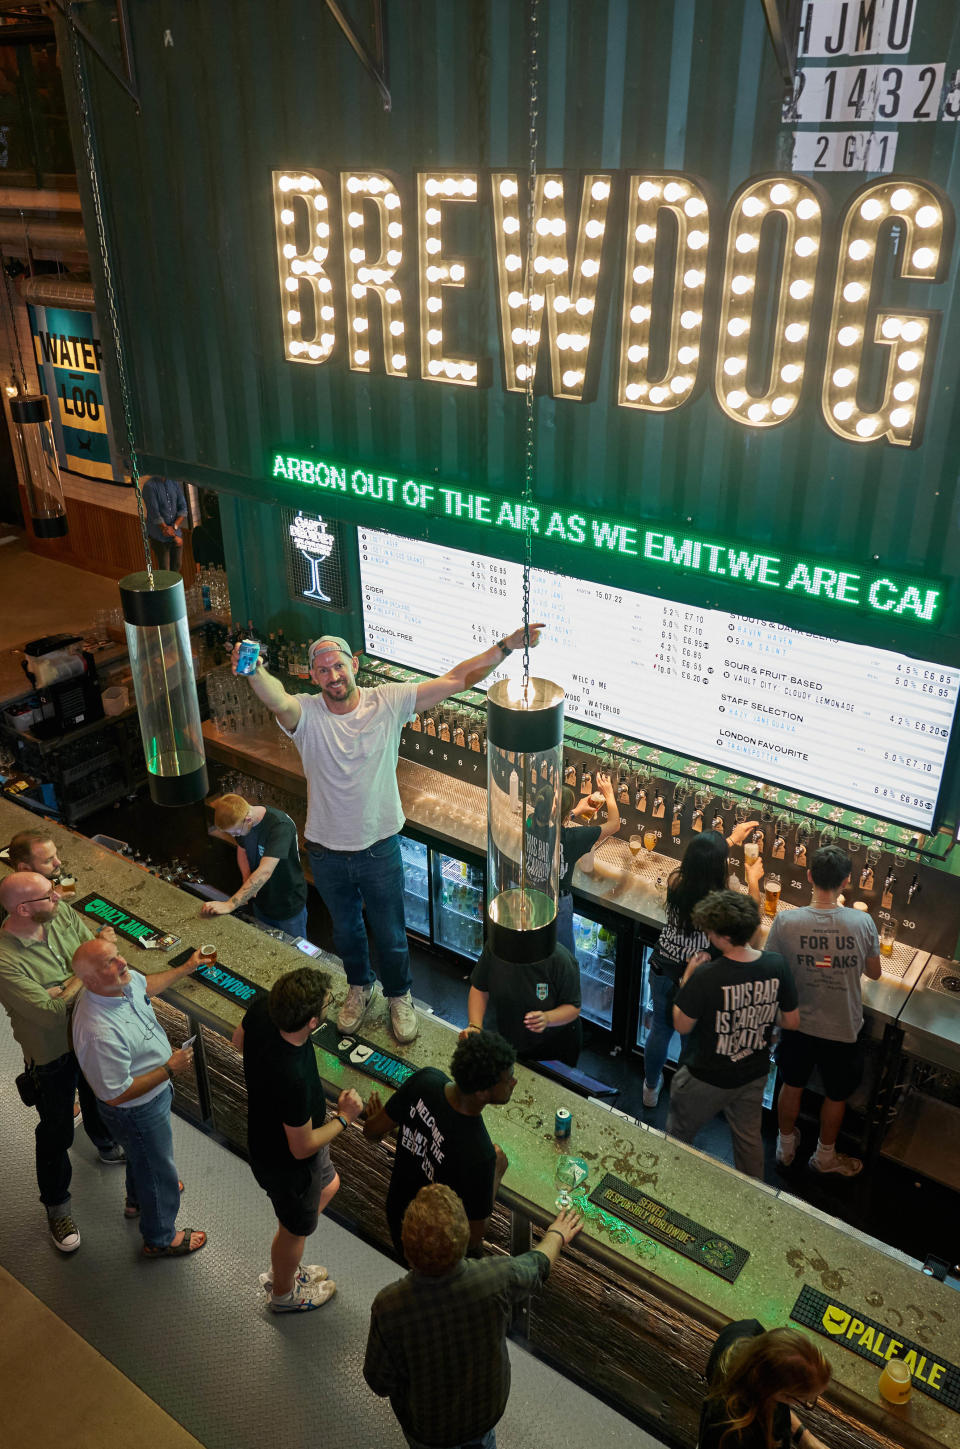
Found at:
[437, 1341]
[756, 1380]
[441, 1136]
[288, 1134]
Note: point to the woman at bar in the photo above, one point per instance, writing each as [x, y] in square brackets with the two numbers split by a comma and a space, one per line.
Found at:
[756, 1381]
[703, 869]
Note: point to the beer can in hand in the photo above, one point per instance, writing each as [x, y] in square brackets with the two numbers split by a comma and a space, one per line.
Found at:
[247, 657]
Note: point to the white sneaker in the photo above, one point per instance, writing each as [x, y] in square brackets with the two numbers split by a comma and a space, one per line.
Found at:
[306, 1277]
[403, 1019]
[302, 1299]
[355, 1006]
[651, 1095]
[786, 1148]
[64, 1233]
[837, 1162]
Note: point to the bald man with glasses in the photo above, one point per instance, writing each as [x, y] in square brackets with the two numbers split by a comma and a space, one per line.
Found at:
[37, 988]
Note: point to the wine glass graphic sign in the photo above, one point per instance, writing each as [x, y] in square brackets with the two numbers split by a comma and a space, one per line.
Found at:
[310, 537]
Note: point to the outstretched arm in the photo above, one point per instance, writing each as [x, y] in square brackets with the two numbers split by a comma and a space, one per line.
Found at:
[471, 671]
[271, 692]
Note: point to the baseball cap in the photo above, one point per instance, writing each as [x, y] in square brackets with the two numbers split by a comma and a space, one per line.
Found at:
[330, 641]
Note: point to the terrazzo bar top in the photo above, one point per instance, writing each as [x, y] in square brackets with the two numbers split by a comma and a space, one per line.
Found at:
[788, 1245]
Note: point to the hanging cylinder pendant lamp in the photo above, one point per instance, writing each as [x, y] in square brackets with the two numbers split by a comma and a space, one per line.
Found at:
[524, 784]
[161, 662]
[40, 470]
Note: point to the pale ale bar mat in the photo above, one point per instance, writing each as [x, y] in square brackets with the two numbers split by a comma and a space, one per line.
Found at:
[877, 1342]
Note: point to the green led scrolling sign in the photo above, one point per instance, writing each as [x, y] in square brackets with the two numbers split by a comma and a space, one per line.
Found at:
[866, 589]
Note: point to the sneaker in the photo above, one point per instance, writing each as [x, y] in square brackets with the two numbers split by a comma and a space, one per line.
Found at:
[839, 1163]
[113, 1156]
[64, 1233]
[786, 1148]
[651, 1095]
[306, 1277]
[403, 1019]
[302, 1299]
[355, 1007]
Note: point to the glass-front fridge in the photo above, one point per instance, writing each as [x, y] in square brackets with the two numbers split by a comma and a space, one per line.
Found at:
[596, 951]
[457, 893]
[416, 890]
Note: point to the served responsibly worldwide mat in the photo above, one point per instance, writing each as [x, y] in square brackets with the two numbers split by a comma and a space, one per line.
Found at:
[367, 1058]
[226, 983]
[658, 1221]
[877, 1343]
[95, 908]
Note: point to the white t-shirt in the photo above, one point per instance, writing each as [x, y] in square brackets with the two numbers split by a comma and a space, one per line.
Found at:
[350, 761]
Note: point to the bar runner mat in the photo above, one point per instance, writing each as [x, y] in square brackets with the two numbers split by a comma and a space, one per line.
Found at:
[226, 983]
[353, 1051]
[934, 1376]
[692, 1240]
[108, 913]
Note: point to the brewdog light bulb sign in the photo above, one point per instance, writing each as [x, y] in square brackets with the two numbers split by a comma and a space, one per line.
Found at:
[550, 322]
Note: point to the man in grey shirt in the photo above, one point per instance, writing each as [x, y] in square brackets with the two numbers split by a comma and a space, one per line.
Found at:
[828, 948]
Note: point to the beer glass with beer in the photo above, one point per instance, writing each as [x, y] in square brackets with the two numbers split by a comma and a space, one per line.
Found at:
[888, 934]
[895, 1382]
[771, 894]
[209, 955]
[636, 845]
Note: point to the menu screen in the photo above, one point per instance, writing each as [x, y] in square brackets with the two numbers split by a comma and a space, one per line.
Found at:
[862, 726]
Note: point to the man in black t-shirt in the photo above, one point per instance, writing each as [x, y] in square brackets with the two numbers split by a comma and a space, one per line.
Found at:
[288, 1135]
[537, 1004]
[268, 855]
[576, 841]
[441, 1136]
[727, 1009]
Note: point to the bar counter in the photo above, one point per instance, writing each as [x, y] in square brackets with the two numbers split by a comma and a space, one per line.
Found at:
[623, 1313]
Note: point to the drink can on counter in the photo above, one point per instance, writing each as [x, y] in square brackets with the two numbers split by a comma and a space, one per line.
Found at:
[562, 1123]
[248, 656]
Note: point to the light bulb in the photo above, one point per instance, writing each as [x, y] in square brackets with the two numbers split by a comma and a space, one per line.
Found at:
[866, 427]
[900, 417]
[871, 209]
[901, 199]
[927, 216]
[843, 410]
[847, 336]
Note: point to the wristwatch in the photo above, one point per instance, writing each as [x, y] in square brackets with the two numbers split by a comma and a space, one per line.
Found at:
[342, 1120]
[504, 647]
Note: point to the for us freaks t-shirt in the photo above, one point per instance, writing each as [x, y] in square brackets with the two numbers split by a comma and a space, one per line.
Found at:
[435, 1143]
[735, 1005]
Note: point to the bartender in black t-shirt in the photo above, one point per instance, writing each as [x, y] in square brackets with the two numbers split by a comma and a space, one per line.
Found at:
[576, 841]
[268, 855]
[536, 1003]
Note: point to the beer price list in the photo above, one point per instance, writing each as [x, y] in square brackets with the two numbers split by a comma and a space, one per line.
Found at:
[866, 727]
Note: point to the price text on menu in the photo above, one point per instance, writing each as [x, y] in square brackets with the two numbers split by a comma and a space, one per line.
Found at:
[862, 726]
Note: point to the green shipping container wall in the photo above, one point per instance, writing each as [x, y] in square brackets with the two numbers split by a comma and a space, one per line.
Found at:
[233, 92]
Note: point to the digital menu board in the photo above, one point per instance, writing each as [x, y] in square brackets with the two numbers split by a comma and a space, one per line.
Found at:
[859, 725]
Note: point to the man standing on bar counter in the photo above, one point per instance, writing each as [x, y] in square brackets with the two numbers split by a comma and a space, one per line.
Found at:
[829, 947]
[38, 989]
[268, 856]
[348, 740]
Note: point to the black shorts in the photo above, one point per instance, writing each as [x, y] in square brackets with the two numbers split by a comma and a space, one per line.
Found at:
[840, 1063]
[296, 1191]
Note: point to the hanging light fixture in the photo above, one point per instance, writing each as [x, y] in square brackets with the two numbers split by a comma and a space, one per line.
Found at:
[33, 429]
[154, 603]
[525, 719]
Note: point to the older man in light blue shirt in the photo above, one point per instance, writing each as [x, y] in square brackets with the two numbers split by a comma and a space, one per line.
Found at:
[125, 1056]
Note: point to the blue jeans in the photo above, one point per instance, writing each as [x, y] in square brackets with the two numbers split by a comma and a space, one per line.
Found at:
[565, 924]
[293, 925]
[56, 1082]
[348, 881]
[486, 1441]
[152, 1178]
[661, 1032]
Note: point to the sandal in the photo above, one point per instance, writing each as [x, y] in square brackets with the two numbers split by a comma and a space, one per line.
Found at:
[179, 1250]
[132, 1209]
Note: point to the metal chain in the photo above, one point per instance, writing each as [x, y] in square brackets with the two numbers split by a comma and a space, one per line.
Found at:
[125, 395]
[532, 114]
[8, 287]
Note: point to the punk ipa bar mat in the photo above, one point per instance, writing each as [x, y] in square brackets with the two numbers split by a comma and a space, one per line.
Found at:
[671, 1228]
[877, 1343]
[353, 1051]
